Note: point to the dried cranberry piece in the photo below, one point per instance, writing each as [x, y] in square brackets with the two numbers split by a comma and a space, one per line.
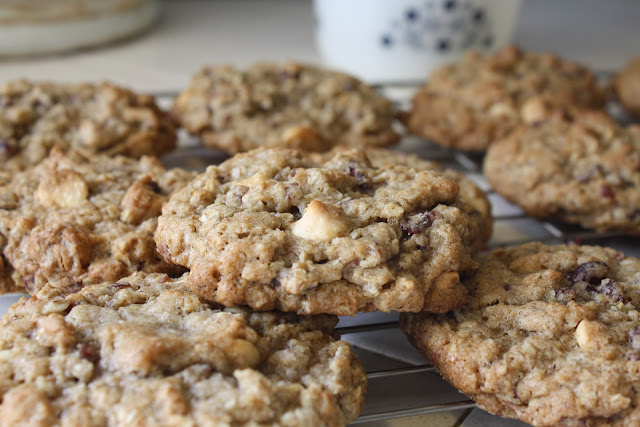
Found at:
[607, 192]
[352, 169]
[416, 224]
[592, 272]
[612, 290]
[274, 283]
[89, 353]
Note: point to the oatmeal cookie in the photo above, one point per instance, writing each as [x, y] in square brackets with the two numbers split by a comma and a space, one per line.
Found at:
[147, 351]
[286, 105]
[469, 104]
[98, 118]
[626, 85]
[79, 219]
[551, 335]
[580, 167]
[274, 228]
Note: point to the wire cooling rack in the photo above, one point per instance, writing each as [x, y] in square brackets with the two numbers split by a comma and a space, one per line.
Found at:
[403, 390]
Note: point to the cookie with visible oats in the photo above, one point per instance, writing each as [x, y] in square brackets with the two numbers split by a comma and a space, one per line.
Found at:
[626, 85]
[469, 104]
[551, 335]
[285, 105]
[580, 167]
[98, 118]
[276, 228]
[147, 351]
[79, 219]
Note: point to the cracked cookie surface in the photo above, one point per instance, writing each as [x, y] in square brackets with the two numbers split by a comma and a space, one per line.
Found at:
[285, 105]
[276, 228]
[577, 166]
[470, 104]
[79, 219]
[98, 118]
[551, 335]
[145, 350]
[471, 199]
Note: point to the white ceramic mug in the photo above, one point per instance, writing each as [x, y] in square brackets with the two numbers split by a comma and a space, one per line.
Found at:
[404, 40]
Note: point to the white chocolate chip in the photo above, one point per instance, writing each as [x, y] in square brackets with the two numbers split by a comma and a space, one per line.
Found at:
[321, 222]
[63, 188]
[55, 306]
[591, 335]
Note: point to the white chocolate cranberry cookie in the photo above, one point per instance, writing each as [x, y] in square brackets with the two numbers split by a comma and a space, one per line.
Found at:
[286, 105]
[551, 336]
[280, 229]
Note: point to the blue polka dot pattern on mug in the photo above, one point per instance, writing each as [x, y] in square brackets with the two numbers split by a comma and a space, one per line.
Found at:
[440, 26]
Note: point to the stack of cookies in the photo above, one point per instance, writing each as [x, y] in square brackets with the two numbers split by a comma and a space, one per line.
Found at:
[164, 297]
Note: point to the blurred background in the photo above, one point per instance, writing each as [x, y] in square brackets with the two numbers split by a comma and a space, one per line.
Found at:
[185, 34]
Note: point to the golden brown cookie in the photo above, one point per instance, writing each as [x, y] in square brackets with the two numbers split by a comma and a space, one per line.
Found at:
[79, 219]
[97, 118]
[147, 351]
[580, 167]
[276, 228]
[285, 105]
[551, 336]
[472, 103]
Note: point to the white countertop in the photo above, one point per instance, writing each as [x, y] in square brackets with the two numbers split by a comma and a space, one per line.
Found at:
[191, 33]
